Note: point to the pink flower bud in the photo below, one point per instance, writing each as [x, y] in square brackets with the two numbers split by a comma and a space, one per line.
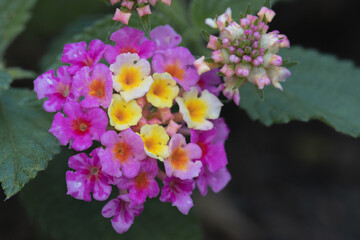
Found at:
[251, 18]
[153, 2]
[217, 56]
[276, 60]
[172, 128]
[144, 10]
[268, 13]
[234, 59]
[257, 61]
[225, 42]
[263, 81]
[247, 58]
[167, 2]
[128, 4]
[122, 16]
[201, 66]
[244, 22]
[284, 41]
[227, 71]
[114, 1]
[213, 42]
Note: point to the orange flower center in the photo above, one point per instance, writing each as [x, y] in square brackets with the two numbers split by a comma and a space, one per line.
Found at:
[179, 159]
[142, 181]
[121, 151]
[128, 50]
[80, 126]
[175, 71]
[97, 89]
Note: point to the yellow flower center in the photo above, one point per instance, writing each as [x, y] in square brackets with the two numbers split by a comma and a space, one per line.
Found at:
[129, 77]
[179, 159]
[197, 109]
[155, 141]
[122, 114]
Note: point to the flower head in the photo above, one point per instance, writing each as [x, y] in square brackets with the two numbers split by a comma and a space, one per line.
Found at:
[88, 177]
[129, 40]
[178, 192]
[143, 184]
[123, 114]
[95, 86]
[123, 153]
[163, 91]
[131, 76]
[77, 56]
[123, 215]
[180, 163]
[80, 127]
[155, 141]
[178, 62]
[245, 51]
[197, 110]
[57, 90]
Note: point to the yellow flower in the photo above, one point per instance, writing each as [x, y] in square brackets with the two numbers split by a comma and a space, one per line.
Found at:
[155, 141]
[123, 114]
[196, 110]
[131, 76]
[163, 91]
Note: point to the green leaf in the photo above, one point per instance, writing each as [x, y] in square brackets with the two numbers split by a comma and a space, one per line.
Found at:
[13, 16]
[205, 35]
[321, 87]
[19, 73]
[64, 217]
[26, 145]
[5, 80]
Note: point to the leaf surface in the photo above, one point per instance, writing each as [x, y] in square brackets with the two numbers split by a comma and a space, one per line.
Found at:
[26, 144]
[321, 87]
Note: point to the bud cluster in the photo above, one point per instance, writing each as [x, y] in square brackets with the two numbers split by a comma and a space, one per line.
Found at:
[246, 51]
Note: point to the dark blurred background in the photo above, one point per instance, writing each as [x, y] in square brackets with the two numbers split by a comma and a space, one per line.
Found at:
[294, 181]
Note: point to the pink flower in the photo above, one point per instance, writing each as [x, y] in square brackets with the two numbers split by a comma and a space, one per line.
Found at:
[178, 192]
[123, 215]
[77, 56]
[180, 162]
[211, 82]
[124, 151]
[57, 90]
[178, 62]
[211, 143]
[87, 178]
[214, 172]
[217, 180]
[143, 185]
[165, 37]
[95, 86]
[129, 40]
[79, 127]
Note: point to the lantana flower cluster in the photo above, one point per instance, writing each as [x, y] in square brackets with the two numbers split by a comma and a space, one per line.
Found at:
[147, 118]
[245, 51]
[124, 13]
